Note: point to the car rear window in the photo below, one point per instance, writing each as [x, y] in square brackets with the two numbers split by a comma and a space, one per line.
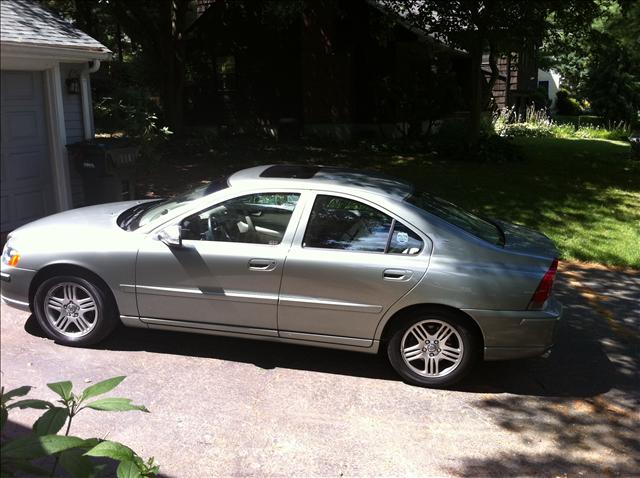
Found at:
[459, 217]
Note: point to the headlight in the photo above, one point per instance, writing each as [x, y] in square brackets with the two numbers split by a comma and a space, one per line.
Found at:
[10, 256]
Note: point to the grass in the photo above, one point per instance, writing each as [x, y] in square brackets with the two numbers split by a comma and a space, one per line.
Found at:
[583, 193]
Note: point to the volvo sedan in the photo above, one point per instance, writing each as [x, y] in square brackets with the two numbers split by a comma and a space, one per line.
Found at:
[301, 254]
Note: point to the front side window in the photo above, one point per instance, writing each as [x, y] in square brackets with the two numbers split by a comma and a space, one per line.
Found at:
[256, 218]
[341, 223]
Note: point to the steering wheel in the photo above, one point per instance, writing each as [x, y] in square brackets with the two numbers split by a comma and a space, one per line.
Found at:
[215, 225]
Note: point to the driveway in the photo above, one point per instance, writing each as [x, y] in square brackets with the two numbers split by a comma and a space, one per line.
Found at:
[230, 407]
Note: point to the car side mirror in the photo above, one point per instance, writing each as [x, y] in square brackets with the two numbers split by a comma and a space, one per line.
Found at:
[171, 235]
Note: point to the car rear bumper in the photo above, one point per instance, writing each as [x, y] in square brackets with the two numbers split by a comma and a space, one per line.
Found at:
[517, 334]
[15, 286]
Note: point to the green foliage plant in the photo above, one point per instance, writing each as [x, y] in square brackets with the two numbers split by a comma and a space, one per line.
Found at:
[25, 455]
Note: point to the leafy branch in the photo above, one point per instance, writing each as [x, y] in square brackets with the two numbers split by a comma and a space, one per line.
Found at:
[71, 453]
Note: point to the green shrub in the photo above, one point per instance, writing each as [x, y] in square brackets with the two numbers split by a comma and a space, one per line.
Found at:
[566, 105]
[24, 455]
[536, 124]
[490, 147]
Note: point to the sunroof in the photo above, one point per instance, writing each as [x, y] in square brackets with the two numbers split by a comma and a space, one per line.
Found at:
[290, 171]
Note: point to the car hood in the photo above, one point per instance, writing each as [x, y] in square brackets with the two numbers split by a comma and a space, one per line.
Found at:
[101, 216]
[523, 240]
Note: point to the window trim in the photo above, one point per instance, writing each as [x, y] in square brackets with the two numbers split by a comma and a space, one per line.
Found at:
[427, 242]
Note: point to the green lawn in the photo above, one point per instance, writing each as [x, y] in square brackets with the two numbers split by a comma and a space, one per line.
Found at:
[584, 194]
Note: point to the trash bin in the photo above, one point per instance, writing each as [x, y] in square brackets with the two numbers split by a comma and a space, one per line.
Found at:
[107, 167]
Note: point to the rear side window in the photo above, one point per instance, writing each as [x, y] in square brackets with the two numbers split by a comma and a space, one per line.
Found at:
[457, 216]
[341, 223]
[403, 240]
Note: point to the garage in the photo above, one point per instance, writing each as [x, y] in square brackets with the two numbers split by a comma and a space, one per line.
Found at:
[45, 103]
[27, 191]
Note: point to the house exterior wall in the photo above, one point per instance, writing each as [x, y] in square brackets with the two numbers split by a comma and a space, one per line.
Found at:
[74, 129]
[338, 69]
[551, 80]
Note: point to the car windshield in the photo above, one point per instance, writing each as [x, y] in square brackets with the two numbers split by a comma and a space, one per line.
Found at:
[150, 212]
[479, 227]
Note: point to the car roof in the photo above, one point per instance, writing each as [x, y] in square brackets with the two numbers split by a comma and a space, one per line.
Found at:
[321, 177]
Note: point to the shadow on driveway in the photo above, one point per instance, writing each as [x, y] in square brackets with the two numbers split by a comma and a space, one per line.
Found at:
[14, 430]
[584, 399]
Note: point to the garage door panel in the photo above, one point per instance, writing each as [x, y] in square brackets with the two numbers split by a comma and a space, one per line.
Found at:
[24, 126]
[20, 85]
[25, 167]
[29, 205]
[5, 210]
[27, 189]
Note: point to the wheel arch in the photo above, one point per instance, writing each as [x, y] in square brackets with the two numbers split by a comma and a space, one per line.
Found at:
[57, 269]
[399, 316]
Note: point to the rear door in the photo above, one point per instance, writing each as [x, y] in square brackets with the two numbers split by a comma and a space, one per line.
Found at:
[350, 261]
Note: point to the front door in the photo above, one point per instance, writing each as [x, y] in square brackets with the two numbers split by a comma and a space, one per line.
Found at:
[345, 269]
[227, 274]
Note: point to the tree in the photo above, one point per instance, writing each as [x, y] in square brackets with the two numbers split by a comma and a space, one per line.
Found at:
[160, 27]
[497, 27]
[601, 62]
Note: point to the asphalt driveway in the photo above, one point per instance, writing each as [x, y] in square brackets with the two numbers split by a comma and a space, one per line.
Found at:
[230, 407]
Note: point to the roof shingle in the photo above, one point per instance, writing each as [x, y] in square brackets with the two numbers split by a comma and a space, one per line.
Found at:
[27, 22]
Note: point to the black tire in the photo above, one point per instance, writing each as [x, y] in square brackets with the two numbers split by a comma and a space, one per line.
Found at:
[106, 318]
[468, 337]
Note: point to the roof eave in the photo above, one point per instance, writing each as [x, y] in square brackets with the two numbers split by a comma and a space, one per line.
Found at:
[71, 53]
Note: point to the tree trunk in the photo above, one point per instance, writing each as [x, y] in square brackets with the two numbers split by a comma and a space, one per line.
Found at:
[475, 106]
[173, 98]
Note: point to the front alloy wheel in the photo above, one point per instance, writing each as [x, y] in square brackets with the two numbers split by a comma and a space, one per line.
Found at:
[432, 349]
[71, 309]
[74, 310]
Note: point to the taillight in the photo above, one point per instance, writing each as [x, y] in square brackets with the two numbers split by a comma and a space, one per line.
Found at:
[545, 287]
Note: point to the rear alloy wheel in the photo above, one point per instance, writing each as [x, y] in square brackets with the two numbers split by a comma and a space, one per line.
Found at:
[432, 350]
[74, 311]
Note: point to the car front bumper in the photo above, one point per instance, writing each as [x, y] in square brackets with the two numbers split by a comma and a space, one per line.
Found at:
[15, 286]
[518, 334]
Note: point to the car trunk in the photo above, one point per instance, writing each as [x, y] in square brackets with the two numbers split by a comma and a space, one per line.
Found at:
[523, 240]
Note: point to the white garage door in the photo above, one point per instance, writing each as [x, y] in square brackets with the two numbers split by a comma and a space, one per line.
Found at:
[25, 172]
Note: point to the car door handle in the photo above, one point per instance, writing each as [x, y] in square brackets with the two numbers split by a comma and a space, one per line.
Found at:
[398, 275]
[262, 264]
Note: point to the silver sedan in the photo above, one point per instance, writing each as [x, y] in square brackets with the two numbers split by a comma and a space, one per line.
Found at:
[300, 254]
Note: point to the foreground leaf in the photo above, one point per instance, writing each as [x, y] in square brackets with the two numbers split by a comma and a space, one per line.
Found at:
[111, 449]
[31, 403]
[51, 422]
[115, 404]
[4, 415]
[62, 388]
[16, 392]
[34, 446]
[102, 387]
[128, 469]
[77, 465]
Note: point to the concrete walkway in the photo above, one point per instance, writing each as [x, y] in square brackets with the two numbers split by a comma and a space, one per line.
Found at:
[227, 407]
